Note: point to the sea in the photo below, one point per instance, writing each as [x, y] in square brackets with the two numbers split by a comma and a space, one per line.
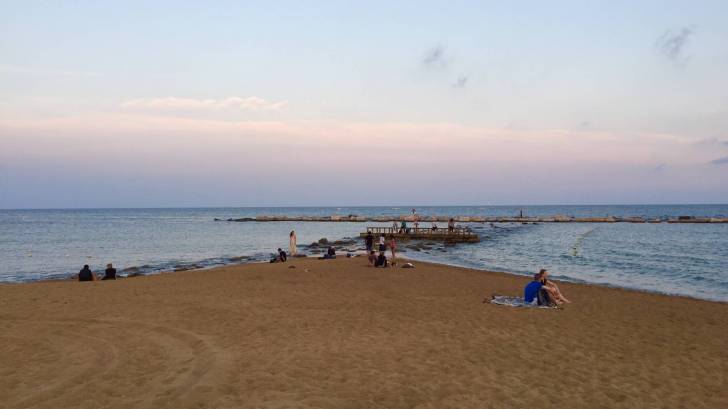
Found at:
[681, 259]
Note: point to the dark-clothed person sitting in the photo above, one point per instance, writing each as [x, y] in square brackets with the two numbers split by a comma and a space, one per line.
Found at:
[109, 273]
[330, 253]
[381, 260]
[85, 274]
[281, 255]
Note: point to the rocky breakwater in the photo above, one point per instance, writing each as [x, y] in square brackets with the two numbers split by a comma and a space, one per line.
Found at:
[474, 219]
[691, 219]
[346, 244]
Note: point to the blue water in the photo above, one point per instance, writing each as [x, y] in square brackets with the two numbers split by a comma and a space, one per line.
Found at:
[686, 259]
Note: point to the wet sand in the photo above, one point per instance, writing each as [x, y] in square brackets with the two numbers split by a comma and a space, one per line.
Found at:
[339, 334]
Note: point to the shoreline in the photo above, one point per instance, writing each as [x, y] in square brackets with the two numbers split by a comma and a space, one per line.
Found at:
[558, 278]
[337, 333]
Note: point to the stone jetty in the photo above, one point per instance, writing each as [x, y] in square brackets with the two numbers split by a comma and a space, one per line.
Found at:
[476, 219]
[453, 235]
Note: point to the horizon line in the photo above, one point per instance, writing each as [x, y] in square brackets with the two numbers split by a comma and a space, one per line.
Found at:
[352, 206]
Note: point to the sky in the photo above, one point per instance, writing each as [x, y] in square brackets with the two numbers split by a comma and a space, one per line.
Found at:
[181, 104]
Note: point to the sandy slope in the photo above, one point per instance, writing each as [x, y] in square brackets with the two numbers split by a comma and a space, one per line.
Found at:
[337, 334]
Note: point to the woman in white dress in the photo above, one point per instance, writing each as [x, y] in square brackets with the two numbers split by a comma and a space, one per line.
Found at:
[292, 243]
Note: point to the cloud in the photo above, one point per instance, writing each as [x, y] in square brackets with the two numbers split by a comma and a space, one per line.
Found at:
[671, 44]
[435, 57]
[461, 81]
[720, 161]
[229, 103]
[659, 168]
[710, 143]
[131, 132]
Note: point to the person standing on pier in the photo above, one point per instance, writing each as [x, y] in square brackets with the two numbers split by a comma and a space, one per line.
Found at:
[292, 243]
[451, 225]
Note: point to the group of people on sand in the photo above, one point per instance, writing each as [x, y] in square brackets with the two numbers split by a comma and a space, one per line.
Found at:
[282, 256]
[543, 291]
[87, 275]
[292, 249]
[381, 259]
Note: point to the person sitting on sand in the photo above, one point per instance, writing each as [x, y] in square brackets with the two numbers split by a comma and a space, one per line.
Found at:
[552, 289]
[545, 292]
[109, 273]
[535, 291]
[381, 260]
[330, 253]
[86, 274]
[281, 255]
[372, 257]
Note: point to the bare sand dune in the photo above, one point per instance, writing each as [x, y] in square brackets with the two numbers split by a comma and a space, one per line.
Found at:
[337, 334]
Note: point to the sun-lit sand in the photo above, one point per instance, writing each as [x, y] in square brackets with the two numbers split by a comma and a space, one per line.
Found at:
[338, 334]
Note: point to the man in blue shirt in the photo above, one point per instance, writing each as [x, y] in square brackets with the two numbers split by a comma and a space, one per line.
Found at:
[536, 289]
[532, 289]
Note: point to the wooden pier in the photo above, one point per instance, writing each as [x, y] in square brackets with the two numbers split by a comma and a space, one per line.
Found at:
[454, 235]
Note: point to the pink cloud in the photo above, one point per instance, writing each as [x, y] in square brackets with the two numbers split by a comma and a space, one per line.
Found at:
[229, 103]
[472, 162]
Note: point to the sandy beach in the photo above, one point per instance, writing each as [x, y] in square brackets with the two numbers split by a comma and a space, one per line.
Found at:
[339, 334]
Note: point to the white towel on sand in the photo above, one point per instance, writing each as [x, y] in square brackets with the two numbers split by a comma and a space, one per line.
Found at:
[515, 302]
